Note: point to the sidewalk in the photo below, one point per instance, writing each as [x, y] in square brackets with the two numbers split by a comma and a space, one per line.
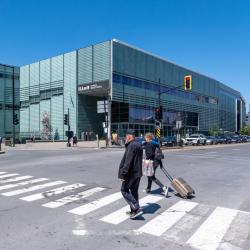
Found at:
[102, 145]
[56, 145]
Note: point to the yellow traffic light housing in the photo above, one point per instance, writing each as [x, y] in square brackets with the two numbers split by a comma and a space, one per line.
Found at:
[188, 82]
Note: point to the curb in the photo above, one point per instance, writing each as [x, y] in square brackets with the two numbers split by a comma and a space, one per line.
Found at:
[2, 152]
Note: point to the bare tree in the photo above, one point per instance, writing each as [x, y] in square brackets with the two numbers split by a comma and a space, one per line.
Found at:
[47, 128]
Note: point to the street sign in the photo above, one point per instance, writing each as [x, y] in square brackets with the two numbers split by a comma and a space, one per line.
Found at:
[178, 124]
[102, 106]
[158, 124]
[158, 132]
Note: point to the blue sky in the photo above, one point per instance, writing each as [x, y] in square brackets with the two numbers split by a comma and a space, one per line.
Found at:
[209, 36]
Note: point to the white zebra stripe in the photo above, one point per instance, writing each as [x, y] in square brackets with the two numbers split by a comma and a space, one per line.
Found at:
[22, 183]
[3, 172]
[52, 192]
[120, 215]
[33, 188]
[16, 179]
[167, 219]
[8, 175]
[71, 198]
[211, 232]
[94, 205]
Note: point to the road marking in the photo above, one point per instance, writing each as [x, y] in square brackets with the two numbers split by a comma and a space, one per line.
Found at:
[7, 175]
[167, 219]
[182, 230]
[211, 232]
[22, 183]
[120, 215]
[71, 198]
[236, 237]
[80, 232]
[16, 179]
[52, 192]
[94, 205]
[33, 188]
[3, 172]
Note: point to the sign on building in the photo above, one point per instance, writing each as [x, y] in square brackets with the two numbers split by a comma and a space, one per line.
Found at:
[102, 106]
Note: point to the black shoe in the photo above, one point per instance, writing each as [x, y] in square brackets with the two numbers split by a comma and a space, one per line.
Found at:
[129, 212]
[136, 213]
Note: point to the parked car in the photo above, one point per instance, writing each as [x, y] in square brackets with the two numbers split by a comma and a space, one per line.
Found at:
[196, 139]
[235, 139]
[224, 139]
[140, 139]
[168, 141]
[211, 140]
[243, 138]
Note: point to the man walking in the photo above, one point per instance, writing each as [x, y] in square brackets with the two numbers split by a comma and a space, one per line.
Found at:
[130, 172]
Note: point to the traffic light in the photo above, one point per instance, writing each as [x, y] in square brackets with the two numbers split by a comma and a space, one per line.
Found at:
[158, 113]
[65, 119]
[188, 82]
[15, 119]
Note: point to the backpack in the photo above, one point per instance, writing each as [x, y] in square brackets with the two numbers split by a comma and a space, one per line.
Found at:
[158, 154]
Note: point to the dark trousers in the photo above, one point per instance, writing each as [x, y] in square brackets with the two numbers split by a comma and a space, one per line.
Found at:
[153, 178]
[129, 190]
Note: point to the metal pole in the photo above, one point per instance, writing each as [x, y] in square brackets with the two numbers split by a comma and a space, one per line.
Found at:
[107, 113]
[13, 105]
[159, 93]
[159, 103]
[68, 130]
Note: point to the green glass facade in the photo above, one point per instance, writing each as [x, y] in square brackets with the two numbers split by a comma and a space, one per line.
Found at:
[9, 78]
[130, 80]
[138, 77]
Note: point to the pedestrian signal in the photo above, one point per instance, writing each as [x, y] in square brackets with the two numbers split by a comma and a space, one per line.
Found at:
[65, 119]
[188, 82]
[15, 119]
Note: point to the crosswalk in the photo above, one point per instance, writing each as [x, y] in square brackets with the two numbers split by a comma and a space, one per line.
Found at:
[196, 225]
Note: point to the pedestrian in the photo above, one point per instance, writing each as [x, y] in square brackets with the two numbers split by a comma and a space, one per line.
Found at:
[130, 172]
[74, 140]
[151, 146]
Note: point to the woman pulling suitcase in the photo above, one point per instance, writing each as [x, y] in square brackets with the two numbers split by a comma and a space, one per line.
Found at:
[150, 152]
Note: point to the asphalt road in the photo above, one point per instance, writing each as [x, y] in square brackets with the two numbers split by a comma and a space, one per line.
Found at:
[36, 212]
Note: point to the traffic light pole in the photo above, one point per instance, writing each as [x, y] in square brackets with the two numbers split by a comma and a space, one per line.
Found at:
[68, 129]
[13, 107]
[164, 92]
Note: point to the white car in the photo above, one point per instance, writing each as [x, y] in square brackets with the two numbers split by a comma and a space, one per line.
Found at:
[196, 139]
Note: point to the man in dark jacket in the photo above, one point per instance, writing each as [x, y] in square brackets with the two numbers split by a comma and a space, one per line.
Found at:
[130, 172]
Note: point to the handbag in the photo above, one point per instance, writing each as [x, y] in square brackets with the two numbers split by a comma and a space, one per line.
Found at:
[158, 154]
[148, 168]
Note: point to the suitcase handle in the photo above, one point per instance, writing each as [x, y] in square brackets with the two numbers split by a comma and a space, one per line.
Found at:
[167, 173]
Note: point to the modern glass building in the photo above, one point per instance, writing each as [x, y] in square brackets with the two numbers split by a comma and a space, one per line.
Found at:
[9, 100]
[133, 83]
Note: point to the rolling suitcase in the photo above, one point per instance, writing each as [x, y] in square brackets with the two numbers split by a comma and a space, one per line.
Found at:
[180, 185]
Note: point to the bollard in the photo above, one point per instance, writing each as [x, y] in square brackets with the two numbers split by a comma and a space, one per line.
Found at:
[97, 138]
